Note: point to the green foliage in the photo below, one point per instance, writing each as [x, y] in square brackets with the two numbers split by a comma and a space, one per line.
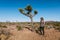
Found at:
[28, 8]
[35, 12]
[21, 10]
[19, 28]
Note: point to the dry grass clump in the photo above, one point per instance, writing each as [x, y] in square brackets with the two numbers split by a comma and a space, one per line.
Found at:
[4, 32]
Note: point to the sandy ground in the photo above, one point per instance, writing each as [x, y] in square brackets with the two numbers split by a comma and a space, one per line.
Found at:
[25, 34]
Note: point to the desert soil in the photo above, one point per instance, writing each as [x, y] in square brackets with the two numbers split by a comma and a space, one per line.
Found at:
[25, 34]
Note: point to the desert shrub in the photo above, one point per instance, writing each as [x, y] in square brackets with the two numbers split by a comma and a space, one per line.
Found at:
[4, 26]
[57, 28]
[56, 24]
[0, 25]
[19, 28]
[29, 24]
[34, 23]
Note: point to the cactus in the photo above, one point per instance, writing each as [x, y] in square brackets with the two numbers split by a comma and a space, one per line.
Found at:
[28, 13]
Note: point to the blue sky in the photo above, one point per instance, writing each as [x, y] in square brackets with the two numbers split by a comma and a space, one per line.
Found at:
[49, 9]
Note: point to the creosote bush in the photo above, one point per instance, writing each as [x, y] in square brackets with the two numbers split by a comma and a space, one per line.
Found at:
[19, 28]
[57, 28]
[3, 26]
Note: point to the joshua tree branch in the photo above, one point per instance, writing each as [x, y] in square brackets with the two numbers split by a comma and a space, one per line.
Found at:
[34, 15]
[26, 14]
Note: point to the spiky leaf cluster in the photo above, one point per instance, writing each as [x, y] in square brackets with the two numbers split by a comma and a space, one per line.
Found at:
[28, 8]
[21, 10]
[35, 12]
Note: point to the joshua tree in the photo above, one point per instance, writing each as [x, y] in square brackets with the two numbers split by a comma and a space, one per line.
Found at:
[28, 13]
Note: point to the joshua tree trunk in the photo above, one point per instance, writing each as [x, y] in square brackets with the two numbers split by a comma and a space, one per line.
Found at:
[32, 22]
